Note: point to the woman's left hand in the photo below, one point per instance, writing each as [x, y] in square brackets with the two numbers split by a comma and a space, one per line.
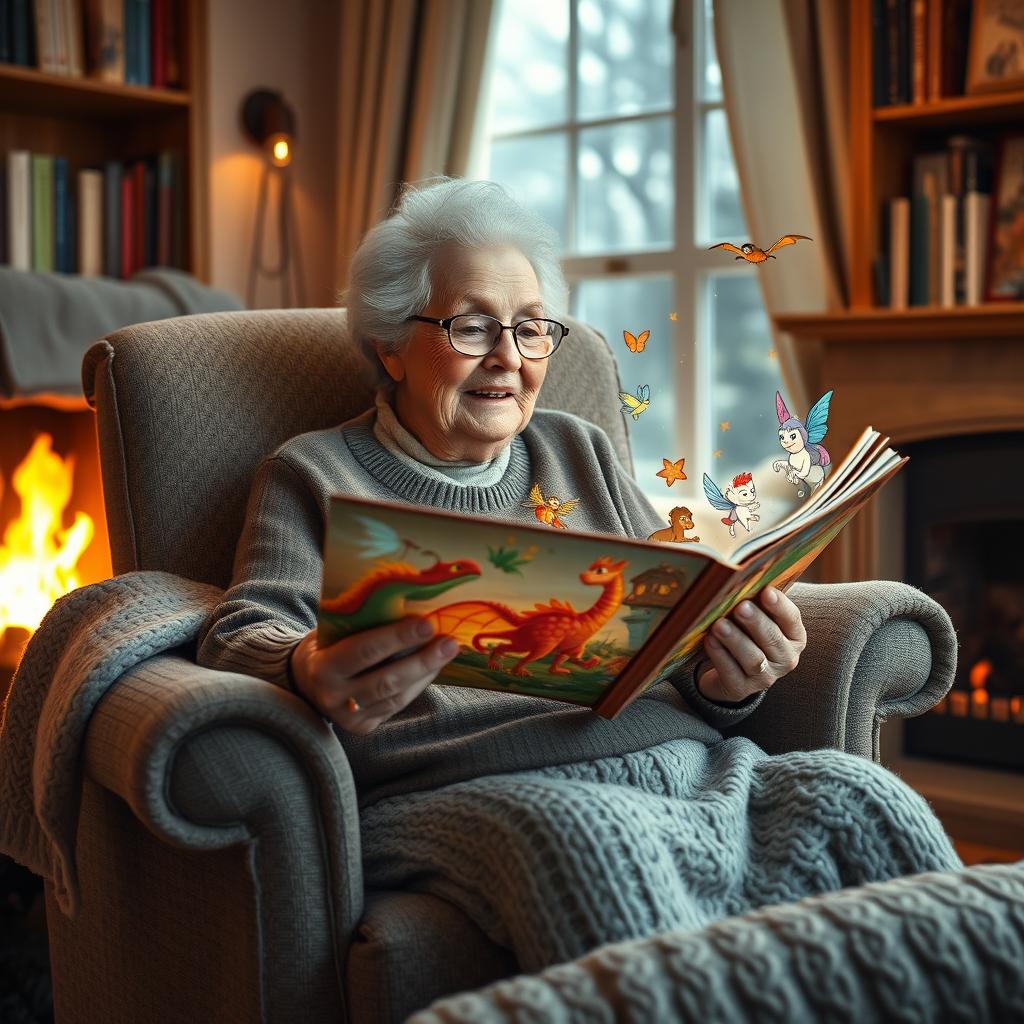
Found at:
[752, 646]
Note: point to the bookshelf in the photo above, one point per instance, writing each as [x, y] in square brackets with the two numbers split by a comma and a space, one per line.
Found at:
[90, 122]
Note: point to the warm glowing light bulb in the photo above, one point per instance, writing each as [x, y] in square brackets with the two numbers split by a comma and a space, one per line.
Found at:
[281, 151]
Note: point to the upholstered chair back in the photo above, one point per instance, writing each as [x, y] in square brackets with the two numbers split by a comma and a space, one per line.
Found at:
[187, 408]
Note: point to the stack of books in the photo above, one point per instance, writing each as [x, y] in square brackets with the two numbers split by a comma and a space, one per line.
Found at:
[129, 41]
[122, 216]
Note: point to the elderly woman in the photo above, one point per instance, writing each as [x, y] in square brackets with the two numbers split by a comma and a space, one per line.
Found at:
[554, 829]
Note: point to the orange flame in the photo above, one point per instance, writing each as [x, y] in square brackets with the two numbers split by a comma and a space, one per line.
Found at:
[980, 671]
[38, 556]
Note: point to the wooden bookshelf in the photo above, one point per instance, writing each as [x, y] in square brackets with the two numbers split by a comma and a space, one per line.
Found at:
[90, 122]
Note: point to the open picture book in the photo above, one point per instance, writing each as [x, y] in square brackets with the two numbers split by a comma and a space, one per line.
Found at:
[587, 618]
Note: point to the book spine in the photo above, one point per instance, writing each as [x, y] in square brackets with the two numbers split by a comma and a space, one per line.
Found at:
[935, 56]
[61, 228]
[976, 213]
[127, 224]
[104, 35]
[139, 215]
[947, 233]
[172, 44]
[892, 59]
[177, 212]
[45, 54]
[919, 250]
[22, 41]
[163, 222]
[904, 44]
[919, 51]
[151, 213]
[956, 31]
[58, 12]
[879, 54]
[90, 222]
[6, 43]
[881, 267]
[899, 252]
[19, 209]
[158, 43]
[112, 219]
[143, 21]
[131, 43]
[76, 57]
[42, 211]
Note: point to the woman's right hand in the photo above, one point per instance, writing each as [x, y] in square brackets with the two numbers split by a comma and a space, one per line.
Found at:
[350, 669]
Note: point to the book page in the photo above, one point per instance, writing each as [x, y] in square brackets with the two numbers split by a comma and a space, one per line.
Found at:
[536, 611]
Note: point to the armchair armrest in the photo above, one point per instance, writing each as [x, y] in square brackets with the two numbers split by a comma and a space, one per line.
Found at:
[875, 650]
[207, 759]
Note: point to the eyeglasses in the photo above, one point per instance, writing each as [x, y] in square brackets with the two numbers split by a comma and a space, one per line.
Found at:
[476, 334]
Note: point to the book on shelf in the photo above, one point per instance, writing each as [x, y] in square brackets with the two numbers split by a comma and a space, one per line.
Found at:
[918, 50]
[936, 240]
[587, 618]
[104, 29]
[74, 220]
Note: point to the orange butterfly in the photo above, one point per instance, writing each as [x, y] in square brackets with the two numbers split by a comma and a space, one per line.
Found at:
[636, 343]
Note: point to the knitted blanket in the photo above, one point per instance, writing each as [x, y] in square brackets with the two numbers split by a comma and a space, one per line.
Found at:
[937, 947]
[555, 862]
[63, 673]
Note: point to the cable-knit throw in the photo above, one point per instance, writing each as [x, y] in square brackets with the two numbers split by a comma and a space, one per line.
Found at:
[937, 947]
[554, 862]
[85, 642]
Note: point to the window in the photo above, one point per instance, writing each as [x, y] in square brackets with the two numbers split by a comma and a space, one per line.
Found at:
[636, 173]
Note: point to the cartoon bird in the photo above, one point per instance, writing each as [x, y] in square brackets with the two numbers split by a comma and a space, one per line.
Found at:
[752, 254]
[547, 510]
[808, 460]
[380, 540]
[637, 405]
[740, 499]
[635, 343]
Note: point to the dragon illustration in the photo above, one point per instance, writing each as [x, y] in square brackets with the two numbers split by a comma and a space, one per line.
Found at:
[381, 595]
[555, 627]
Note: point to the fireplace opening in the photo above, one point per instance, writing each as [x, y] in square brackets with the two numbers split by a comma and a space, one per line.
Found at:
[964, 547]
[53, 534]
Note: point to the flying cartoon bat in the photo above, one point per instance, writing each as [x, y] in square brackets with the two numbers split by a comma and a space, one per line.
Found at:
[752, 254]
[636, 405]
[635, 343]
[547, 510]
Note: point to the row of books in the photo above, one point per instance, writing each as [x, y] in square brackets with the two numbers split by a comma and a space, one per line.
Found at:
[120, 217]
[919, 49]
[935, 243]
[133, 41]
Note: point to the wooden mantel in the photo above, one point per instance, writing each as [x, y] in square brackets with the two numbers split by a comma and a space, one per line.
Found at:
[913, 374]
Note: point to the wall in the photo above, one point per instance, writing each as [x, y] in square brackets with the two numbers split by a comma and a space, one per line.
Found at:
[288, 48]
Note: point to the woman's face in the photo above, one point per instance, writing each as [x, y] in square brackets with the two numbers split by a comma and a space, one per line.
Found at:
[438, 393]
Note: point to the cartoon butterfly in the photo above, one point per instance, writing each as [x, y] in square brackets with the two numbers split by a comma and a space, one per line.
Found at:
[636, 405]
[635, 343]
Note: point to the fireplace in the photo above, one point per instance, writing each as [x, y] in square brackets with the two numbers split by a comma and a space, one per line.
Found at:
[963, 524]
[65, 486]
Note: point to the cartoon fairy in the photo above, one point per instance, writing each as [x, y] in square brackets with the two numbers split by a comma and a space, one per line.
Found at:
[740, 499]
[808, 460]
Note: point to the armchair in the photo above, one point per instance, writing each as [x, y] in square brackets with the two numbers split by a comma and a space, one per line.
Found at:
[218, 848]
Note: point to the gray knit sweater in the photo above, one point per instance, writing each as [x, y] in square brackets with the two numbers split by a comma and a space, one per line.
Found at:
[448, 733]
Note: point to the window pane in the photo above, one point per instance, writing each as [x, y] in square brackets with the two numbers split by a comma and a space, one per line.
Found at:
[725, 222]
[529, 66]
[625, 57]
[533, 169]
[745, 377]
[625, 198]
[636, 304]
[711, 81]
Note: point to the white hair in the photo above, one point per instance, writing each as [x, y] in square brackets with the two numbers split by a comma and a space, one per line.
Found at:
[390, 274]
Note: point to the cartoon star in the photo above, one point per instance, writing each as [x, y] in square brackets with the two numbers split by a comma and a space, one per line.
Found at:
[671, 471]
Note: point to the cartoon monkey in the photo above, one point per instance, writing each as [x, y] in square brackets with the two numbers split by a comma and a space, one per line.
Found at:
[680, 520]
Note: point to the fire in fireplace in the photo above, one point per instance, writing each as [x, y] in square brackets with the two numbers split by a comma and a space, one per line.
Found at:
[52, 529]
[965, 515]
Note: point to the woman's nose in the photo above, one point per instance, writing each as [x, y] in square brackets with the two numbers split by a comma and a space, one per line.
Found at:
[505, 352]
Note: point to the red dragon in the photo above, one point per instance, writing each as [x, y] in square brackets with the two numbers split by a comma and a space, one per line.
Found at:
[553, 627]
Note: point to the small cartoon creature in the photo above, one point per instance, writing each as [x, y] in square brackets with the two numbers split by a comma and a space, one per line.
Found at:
[752, 254]
[740, 499]
[808, 460]
[547, 510]
[635, 343]
[637, 405]
[680, 520]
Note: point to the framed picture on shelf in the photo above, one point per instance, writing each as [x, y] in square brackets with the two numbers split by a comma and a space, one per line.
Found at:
[1006, 251]
[996, 55]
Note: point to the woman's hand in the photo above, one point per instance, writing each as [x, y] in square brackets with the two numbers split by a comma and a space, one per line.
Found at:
[750, 648]
[347, 682]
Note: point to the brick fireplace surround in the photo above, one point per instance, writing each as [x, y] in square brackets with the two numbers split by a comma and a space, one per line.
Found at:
[922, 376]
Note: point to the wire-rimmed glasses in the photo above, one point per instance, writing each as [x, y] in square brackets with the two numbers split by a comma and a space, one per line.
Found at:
[476, 334]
